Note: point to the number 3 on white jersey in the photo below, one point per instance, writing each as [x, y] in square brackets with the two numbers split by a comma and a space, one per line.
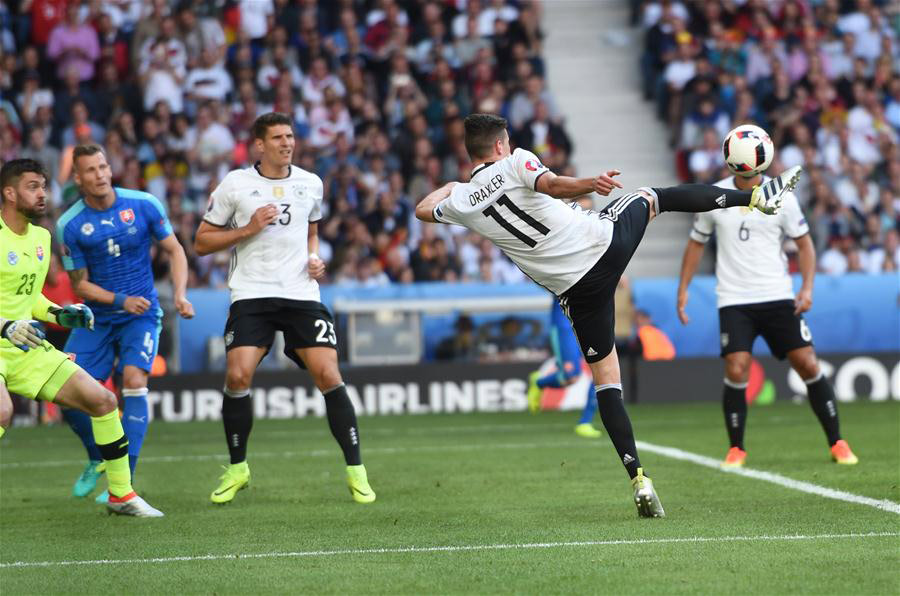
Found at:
[324, 328]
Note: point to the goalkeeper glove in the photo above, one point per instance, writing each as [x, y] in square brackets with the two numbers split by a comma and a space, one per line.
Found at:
[22, 334]
[74, 315]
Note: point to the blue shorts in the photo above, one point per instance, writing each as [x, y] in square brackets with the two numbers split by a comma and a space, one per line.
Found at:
[565, 346]
[133, 342]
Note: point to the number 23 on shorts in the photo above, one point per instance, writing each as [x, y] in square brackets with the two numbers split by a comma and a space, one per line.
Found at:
[326, 332]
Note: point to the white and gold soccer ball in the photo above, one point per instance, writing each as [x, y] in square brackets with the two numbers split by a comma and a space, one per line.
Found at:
[748, 150]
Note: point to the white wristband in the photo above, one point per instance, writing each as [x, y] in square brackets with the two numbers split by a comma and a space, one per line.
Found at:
[313, 255]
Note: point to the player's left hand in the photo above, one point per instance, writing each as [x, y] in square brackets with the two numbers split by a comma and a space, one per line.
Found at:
[316, 267]
[803, 301]
[74, 315]
[604, 184]
[184, 307]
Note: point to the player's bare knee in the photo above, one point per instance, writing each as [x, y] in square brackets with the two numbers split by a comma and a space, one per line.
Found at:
[737, 369]
[6, 412]
[134, 379]
[807, 366]
[100, 402]
[326, 376]
[238, 378]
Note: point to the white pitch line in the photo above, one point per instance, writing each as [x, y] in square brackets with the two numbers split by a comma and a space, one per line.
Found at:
[445, 549]
[310, 453]
[806, 487]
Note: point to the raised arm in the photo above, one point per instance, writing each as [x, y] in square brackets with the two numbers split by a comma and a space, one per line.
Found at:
[567, 187]
[692, 255]
[425, 208]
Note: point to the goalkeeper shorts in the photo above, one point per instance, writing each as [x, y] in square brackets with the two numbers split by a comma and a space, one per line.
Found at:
[38, 373]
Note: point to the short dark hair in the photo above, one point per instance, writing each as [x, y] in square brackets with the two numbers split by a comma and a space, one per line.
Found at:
[14, 169]
[86, 150]
[262, 124]
[482, 131]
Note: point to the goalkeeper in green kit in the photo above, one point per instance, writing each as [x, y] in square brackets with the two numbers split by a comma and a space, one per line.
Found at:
[30, 366]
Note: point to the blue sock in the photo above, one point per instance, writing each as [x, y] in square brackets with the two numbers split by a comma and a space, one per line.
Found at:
[590, 407]
[80, 422]
[551, 380]
[135, 420]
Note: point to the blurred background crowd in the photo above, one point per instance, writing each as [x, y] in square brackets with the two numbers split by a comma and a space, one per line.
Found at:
[822, 76]
[377, 90]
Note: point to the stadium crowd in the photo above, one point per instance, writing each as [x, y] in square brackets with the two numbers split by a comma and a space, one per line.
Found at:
[822, 76]
[377, 90]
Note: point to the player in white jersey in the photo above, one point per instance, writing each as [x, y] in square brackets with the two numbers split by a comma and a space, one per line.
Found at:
[756, 297]
[577, 254]
[267, 215]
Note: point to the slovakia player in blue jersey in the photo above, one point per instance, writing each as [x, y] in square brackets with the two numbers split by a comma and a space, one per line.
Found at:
[106, 237]
[568, 368]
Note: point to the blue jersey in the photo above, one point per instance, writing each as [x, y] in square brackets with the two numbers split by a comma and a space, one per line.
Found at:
[114, 246]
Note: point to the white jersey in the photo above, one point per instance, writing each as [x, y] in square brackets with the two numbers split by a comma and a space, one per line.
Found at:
[751, 266]
[552, 242]
[273, 263]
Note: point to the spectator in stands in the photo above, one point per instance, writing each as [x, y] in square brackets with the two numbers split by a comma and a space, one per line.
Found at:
[655, 344]
[209, 80]
[820, 77]
[74, 45]
[377, 97]
[462, 345]
[163, 67]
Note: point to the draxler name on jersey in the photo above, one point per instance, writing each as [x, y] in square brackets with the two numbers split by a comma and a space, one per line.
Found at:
[484, 193]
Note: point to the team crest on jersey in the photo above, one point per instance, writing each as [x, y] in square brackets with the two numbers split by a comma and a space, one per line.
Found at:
[39, 251]
[533, 166]
[12, 258]
[127, 216]
[278, 192]
[298, 191]
[87, 229]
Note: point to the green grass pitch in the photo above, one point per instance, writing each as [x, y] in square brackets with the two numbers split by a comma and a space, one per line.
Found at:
[471, 481]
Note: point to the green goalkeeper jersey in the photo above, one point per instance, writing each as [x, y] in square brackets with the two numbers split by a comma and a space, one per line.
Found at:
[24, 261]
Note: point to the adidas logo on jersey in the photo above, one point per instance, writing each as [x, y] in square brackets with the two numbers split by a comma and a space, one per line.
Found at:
[627, 459]
[255, 193]
[591, 352]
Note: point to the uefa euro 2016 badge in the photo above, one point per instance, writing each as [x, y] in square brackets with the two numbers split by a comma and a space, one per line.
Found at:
[12, 258]
[87, 229]
[127, 216]
[39, 251]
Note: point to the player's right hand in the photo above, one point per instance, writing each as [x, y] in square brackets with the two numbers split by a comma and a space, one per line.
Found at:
[682, 306]
[604, 184]
[262, 217]
[136, 305]
[23, 334]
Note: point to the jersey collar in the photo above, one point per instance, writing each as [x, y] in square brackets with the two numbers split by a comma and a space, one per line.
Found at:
[113, 206]
[258, 171]
[481, 167]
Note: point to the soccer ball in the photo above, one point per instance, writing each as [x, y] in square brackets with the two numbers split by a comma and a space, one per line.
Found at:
[748, 150]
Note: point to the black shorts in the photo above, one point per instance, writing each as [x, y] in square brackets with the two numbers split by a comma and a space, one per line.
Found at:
[739, 325]
[304, 323]
[590, 303]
